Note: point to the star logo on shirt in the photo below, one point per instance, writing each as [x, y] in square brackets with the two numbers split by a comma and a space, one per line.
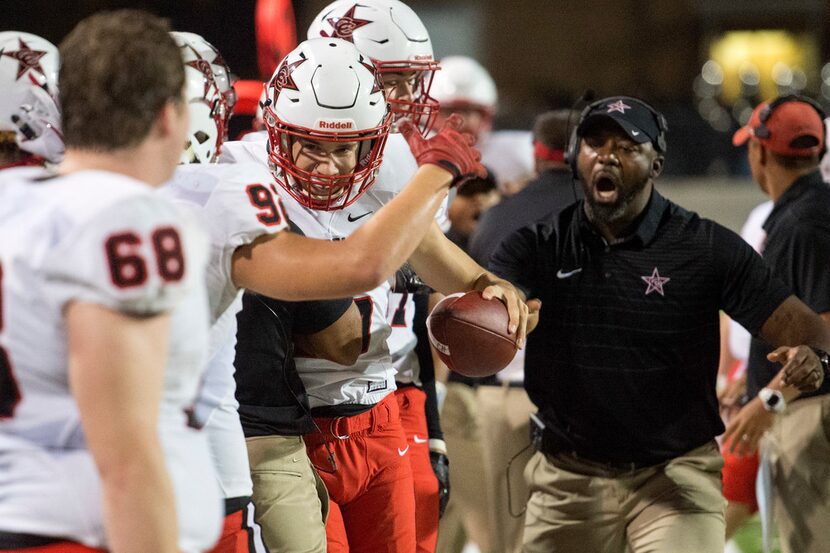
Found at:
[619, 105]
[26, 58]
[343, 27]
[655, 282]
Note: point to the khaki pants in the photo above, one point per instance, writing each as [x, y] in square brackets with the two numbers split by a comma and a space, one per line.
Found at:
[466, 516]
[578, 505]
[799, 450]
[504, 424]
[290, 499]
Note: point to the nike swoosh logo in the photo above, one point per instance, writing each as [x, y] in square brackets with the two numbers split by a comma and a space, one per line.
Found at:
[560, 274]
[419, 440]
[403, 451]
[635, 133]
[353, 219]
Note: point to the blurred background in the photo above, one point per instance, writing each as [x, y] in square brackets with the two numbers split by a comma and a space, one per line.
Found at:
[704, 63]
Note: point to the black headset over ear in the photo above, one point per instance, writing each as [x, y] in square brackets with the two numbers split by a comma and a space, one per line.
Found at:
[762, 131]
[571, 153]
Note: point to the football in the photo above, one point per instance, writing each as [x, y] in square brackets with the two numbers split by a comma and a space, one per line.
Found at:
[471, 335]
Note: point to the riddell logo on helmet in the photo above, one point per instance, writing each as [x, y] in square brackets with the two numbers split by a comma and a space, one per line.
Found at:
[335, 125]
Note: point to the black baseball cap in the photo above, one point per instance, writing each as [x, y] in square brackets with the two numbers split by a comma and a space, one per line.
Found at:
[639, 120]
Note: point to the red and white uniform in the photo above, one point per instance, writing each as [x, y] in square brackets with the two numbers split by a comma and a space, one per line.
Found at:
[236, 204]
[102, 238]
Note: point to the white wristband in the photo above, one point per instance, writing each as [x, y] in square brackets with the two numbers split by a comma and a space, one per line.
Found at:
[773, 400]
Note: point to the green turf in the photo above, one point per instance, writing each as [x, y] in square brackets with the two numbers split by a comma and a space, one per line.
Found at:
[748, 538]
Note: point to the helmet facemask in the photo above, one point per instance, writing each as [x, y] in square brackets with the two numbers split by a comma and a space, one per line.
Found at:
[316, 190]
[422, 109]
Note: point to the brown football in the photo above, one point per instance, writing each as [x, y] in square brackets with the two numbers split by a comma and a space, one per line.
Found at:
[470, 334]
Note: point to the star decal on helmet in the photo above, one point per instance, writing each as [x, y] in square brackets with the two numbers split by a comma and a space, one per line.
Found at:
[201, 65]
[283, 78]
[344, 26]
[619, 105]
[378, 84]
[27, 59]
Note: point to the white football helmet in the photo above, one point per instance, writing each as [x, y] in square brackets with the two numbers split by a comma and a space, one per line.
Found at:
[207, 106]
[29, 94]
[393, 36]
[464, 83]
[325, 90]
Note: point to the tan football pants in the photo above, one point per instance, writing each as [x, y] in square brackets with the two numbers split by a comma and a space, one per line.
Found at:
[580, 506]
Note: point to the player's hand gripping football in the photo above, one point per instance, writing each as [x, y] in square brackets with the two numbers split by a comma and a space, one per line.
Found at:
[523, 316]
[449, 149]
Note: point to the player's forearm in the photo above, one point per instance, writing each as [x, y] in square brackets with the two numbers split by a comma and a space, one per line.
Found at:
[443, 265]
[290, 267]
[386, 241]
[139, 506]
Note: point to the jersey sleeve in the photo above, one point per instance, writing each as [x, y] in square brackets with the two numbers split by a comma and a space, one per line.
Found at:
[750, 292]
[138, 255]
[239, 211]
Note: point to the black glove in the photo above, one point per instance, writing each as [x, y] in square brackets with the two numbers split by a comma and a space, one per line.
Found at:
[406, 281]
[441, 468]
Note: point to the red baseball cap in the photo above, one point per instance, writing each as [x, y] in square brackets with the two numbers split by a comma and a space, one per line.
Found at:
[787, 127]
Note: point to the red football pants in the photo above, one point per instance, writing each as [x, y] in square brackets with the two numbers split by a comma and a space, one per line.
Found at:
[372, 504]
[240, 534]
[739, 475]
[414, 421]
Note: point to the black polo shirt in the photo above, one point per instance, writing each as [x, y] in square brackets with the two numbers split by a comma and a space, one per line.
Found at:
[624, 360]
[272, 398]
[551, 191]
[797, 248]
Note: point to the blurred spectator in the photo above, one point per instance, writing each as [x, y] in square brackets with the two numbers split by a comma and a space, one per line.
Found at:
[472, 199]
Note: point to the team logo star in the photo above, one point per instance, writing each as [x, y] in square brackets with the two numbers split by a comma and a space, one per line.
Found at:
[202, 65]
[343, 27]
[26, 58]
[378, 86]
[283, 79]
[655, 282]
[619, 105]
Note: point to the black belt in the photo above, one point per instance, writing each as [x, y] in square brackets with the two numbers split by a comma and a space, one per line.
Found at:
[236, 504]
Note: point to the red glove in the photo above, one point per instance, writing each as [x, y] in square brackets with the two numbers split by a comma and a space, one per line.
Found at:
[448, 149]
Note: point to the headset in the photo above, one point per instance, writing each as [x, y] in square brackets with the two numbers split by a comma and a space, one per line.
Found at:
[762, 131]
[572, 152]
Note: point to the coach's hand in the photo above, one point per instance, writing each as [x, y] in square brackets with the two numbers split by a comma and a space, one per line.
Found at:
[802, 368]
[449, 149]
[441, 468]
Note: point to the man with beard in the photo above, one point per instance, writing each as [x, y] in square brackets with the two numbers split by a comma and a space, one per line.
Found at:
[623, 362]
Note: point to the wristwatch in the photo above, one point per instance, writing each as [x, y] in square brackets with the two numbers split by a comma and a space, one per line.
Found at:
[773, 400]
[824, 359]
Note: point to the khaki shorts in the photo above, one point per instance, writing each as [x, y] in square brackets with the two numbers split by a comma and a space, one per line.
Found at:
[798, 447]
[579, 505]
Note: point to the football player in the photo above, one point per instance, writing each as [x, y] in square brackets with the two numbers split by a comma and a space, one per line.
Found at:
[103, 331]
[393, 36]
[29, 113]
[325, 170]
[250, 248]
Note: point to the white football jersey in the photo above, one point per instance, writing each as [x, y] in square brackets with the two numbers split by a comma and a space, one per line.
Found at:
[100, 238]
[373, 376]
[236, 204]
